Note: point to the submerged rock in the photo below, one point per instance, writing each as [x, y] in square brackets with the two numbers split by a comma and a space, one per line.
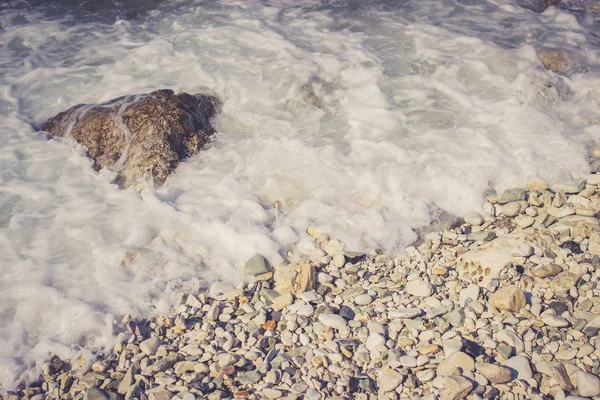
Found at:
[139, 136]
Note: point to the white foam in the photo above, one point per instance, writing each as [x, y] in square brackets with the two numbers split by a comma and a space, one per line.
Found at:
[361, 121]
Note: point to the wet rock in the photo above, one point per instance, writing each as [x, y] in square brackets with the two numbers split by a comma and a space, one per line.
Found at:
[139, 136]
[257, 265]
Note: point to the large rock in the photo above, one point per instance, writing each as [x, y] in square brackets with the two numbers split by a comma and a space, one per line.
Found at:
[139, 136]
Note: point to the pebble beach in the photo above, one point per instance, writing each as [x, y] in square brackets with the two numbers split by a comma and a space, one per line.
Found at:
[502, 305]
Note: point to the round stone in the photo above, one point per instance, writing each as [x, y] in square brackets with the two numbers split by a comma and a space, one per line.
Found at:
[363, 299]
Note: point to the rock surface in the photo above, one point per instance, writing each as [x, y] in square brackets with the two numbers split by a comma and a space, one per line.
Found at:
[139, 136]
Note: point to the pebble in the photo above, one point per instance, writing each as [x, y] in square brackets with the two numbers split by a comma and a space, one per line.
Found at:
[508, 298]
[370, 325]
[520, 364]
[494, 373]
[554, 320]
[333, 321]
[363, 299]
[389, 380]
[456, 388]
[563, 282]
[150, 346]
[419, 288]
[588, 385]
[454, 363]
[547, 270]
[374, 341]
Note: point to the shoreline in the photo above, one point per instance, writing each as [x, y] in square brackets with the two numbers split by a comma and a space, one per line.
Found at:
[506, 305]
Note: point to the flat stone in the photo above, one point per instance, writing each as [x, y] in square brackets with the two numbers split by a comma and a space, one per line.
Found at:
[419, 288]
[554, 320]
[389, 380]
[588, 385]
[510, 195]
[456, 388]
[455, 317]
[333, 321]
[547, 270]
[281, 302]
[272, 393]
[521, 365]
[473, 219]
[470, 292]
[568, 188]
[494, 373]
[563, 282]
[408, 361]
[524, 221]
[149, 346]
[405, 313]
[249, 378]
[484, 236]
[509, 298]
[455, 363]
[511, 209]
[374, 341]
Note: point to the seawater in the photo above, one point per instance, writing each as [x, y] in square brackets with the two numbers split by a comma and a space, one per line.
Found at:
[364, 119]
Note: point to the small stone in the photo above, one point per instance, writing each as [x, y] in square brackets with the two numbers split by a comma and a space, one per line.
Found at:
[149, 346]
[510, 195]
[419, 288]
[588, 385]
[272, 393]
[95, 394]
[281, 302]
[560, 375]
[509, 298]
[249, 378]
[456, 388]
[473, 219]
[363, 299]
[374, 341]
[338, 260]
[389, 380]
[546, 271]
[568, 188]
[554, 320]
[408, 361]
[257, 265]
[524, 221]
[484, 236]
[521, 365]
[333, 321]
[312, 394]
[455, 363]
[511, 209]
[405, 313]
[563, 282]
[494, 373]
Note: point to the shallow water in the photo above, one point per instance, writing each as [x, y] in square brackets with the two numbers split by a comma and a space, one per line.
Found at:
[361, 118]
